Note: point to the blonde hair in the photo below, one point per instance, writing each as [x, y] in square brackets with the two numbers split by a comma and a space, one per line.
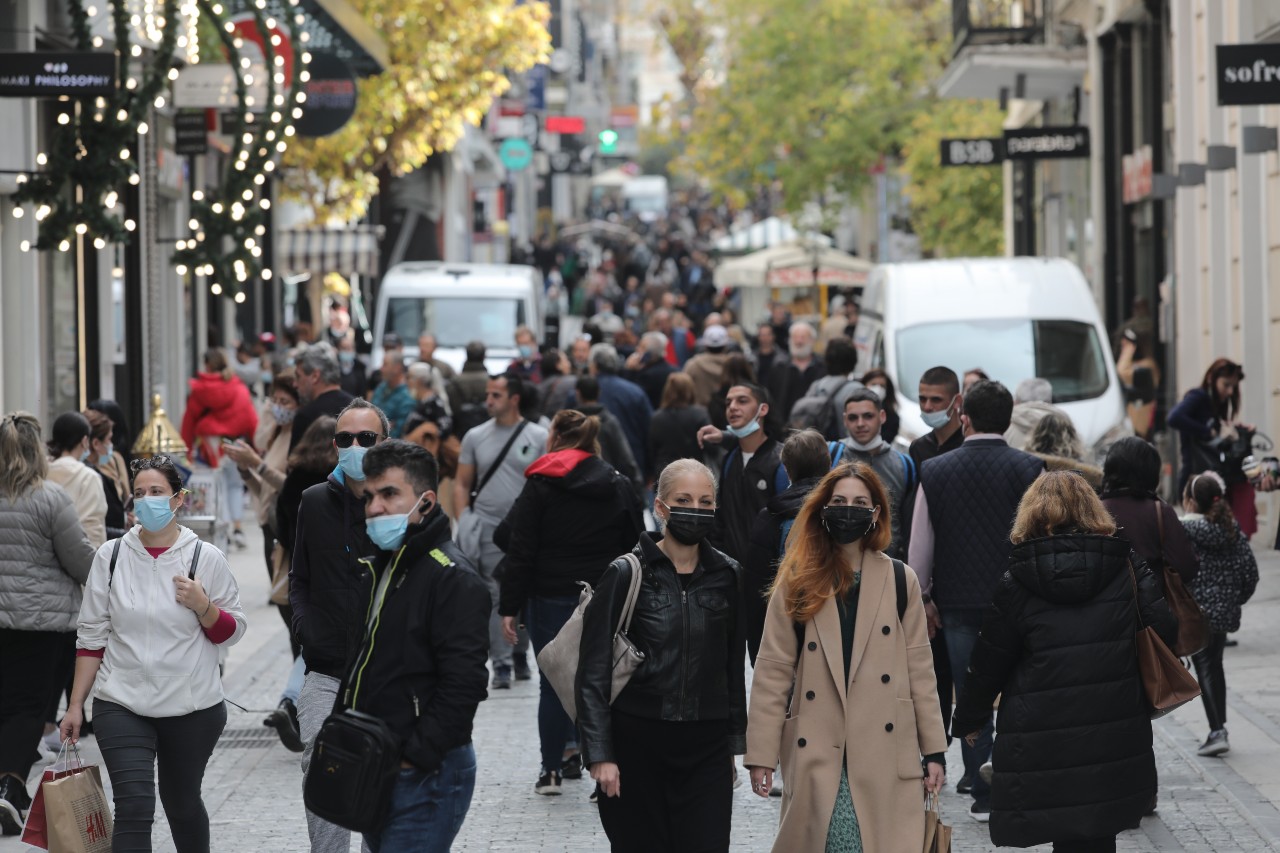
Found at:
[25, 463]
[1058, 502]
[676, 470]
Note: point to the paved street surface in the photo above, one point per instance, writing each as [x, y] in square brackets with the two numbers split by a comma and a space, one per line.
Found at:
[253, 785]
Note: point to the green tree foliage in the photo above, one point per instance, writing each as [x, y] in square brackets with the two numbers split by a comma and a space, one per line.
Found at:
[955, 211]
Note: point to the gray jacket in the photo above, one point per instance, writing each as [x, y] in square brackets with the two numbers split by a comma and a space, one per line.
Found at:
[44, 558]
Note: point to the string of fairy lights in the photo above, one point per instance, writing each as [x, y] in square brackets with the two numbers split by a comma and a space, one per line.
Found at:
[76, 190]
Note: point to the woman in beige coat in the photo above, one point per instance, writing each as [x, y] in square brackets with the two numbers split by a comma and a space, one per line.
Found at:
[864, 709]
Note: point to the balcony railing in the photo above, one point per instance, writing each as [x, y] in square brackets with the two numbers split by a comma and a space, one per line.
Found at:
[996, 22]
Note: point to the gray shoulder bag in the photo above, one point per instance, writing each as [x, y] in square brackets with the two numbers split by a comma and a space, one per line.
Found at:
[558, 659]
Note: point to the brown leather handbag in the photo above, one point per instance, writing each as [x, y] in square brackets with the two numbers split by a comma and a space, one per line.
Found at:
[1193, 626]
[1165, 679]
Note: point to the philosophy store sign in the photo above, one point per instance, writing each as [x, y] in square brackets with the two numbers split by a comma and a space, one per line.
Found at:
[52, 75]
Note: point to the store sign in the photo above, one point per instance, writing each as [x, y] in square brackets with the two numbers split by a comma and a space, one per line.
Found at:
[331, 96]
[212, 85]
[52, 75]
[566, 124]
[1248, 74]
[1138, 175]
[972, 152]
[1046, 143]
[190, 133]
[516, 154]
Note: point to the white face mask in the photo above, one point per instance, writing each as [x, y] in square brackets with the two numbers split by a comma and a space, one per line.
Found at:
[869, 446]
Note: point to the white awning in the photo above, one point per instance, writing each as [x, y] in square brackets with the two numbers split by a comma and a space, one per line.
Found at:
[764, 235]
[349, 251]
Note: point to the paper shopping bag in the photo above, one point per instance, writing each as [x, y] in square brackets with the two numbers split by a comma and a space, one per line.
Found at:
[937, 835]
[34, 831]
[77, 815]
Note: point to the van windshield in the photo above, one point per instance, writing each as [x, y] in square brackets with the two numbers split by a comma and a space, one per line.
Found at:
[1065, 352]
[455, 320]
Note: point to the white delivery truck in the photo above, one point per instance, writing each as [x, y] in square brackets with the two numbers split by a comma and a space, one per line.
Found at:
[1015, 318]
[459, 303]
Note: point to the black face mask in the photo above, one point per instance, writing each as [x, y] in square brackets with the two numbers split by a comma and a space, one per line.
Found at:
[688, 525]
[847, 523]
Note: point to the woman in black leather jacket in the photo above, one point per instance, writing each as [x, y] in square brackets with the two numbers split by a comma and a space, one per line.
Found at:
[672, 731]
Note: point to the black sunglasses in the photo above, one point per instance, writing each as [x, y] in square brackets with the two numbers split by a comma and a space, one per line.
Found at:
[143, 463]
[367, 438]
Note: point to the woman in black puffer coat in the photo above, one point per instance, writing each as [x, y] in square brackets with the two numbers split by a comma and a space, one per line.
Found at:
[1073, 762]
[1227, 579]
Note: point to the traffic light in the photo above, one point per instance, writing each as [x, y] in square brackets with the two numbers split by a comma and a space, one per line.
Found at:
[608, 141]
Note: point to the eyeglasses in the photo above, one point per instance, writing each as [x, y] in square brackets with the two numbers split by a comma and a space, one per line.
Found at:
[142, 464]
[367, 438]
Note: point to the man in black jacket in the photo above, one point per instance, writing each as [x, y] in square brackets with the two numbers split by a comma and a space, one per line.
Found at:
[807, 459]
[427, 676]
[965, 508]
[328, 588]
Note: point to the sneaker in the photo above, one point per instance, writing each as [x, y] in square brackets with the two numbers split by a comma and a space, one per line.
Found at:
[965, 785]
[548, 784]
[1215, 744]
[237, 539]
[521, 668]
[284, 720]
[981, 812]
[572, 767]
[501, 678]
[986, 772]
[12, 796]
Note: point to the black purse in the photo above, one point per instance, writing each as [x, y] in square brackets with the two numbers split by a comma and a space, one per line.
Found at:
[353, 770]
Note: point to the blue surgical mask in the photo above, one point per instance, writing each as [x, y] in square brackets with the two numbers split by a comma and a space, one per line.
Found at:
[266, 377]
[84, 457]
[939, 419]
[282, 414]
[105, 459]
[388, 531]
[153, 512]
[351, 461]
[751, 427]
[526, 351]
[346, 359]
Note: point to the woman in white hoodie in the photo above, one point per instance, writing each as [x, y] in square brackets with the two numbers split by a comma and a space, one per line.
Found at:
[157, 605]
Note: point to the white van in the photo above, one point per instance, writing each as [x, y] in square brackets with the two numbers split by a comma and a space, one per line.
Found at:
[459, 303]
[1014, 318]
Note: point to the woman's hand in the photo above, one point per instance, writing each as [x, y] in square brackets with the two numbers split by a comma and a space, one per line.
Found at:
[509, 629]
[935, 777]
[761, 781]
[69, 728]
[242, 454]
[190, 594]
[606, 775]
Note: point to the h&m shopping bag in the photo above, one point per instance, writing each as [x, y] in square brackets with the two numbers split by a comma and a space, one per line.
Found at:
[77, 814]
[34, 831]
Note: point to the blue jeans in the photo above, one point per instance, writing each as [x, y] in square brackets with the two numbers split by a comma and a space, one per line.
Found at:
[427, 810]
[546, 617]
[293, 687]
[961, 628]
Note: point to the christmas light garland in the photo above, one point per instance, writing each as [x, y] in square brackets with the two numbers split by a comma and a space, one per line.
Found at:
[228, 226]
[76, 191]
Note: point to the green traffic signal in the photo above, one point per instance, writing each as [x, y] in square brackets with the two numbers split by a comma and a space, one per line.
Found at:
[608, 141]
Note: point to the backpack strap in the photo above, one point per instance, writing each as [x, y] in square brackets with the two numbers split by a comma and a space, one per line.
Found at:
[900, 587]
[111, 567]
[781, 481]
[728, 460]
[836, 449]
[785, 531]
[195, 560]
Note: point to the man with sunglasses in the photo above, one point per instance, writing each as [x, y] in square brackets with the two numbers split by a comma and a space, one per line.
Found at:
[328, 588]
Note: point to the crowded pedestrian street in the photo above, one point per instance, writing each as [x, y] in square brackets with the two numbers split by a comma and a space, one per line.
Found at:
[253, 786]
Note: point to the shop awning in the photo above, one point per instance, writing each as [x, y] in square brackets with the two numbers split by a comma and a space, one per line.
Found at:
[350, 251]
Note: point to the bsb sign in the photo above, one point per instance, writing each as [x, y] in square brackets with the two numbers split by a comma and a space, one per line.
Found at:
[1248, 74]
[52, 75]
[972, 152]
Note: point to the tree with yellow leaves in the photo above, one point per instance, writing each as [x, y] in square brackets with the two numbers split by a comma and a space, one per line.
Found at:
[449, 61]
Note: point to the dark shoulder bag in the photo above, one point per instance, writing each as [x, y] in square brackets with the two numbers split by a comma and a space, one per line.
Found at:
[1193, 627]
[1165, 680]
[353, 771]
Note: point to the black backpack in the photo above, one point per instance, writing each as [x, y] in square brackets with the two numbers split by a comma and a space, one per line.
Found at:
[817, 408]
[115, 555]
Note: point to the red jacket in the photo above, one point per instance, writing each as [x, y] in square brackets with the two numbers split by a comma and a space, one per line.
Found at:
[217, 408]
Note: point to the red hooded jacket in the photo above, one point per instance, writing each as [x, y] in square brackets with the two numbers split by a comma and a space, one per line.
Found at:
[217, 408]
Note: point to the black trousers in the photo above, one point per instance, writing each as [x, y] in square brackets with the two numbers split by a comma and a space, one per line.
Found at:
[942, 671]
[1098, 845]
[676, 784]
[1213, 680]
[29, 673]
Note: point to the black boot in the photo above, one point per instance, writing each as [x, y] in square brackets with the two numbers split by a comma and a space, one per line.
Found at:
[14, 803]
[284, 720]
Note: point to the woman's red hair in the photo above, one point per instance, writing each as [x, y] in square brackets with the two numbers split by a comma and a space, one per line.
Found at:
[815, 568]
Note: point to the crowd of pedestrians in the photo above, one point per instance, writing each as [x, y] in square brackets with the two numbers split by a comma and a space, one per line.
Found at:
[424, 527]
